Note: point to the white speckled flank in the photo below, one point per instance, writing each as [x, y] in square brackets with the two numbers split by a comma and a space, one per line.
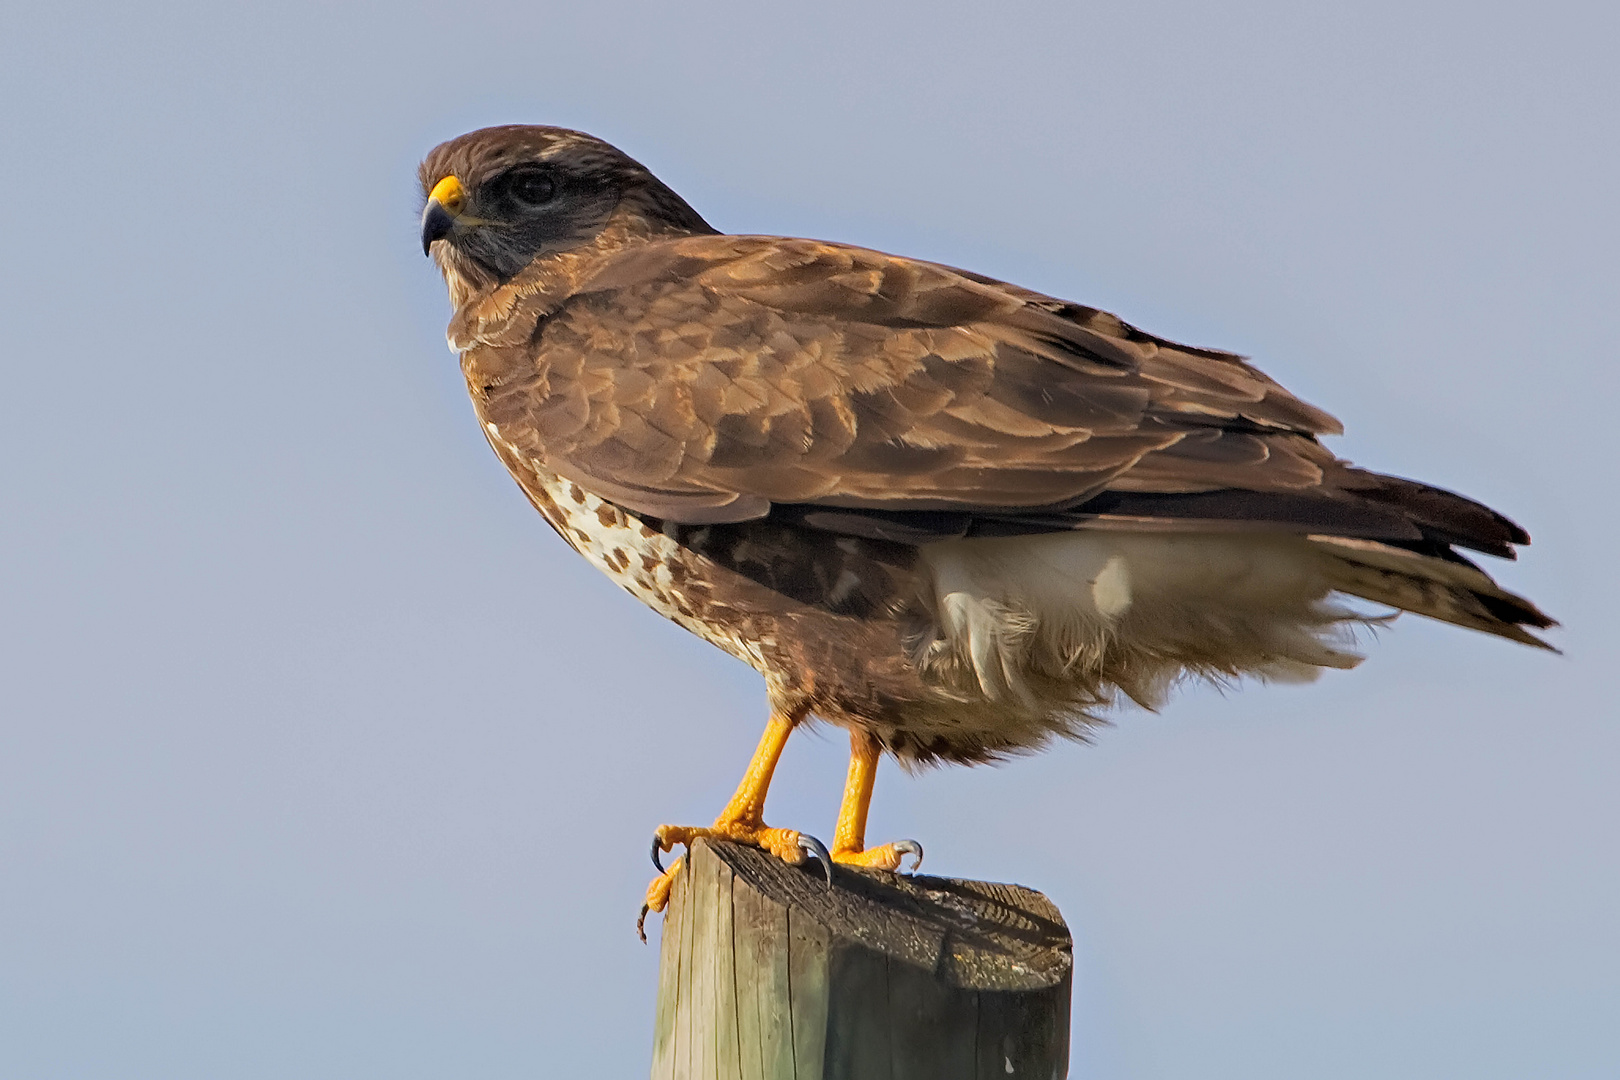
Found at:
[638, 557]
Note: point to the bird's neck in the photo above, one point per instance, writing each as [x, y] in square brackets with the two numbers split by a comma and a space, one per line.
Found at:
[506, 313]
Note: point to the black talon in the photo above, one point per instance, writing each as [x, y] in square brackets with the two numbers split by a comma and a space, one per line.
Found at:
[912, 848]
[641, 924]
[656, 861]
[817, 851]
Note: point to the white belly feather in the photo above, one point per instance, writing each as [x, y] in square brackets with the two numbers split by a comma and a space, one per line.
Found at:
[1022, 616]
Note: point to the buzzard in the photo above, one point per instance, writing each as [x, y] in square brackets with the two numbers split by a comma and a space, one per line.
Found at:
[950, 515]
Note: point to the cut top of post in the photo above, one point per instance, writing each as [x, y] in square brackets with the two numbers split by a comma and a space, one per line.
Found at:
[768, 973]
[973, 935]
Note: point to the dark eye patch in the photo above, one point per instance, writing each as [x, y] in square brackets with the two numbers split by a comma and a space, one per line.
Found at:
[527, 187]
[532, 207]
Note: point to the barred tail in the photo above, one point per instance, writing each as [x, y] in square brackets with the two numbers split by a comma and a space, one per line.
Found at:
[1453, 592]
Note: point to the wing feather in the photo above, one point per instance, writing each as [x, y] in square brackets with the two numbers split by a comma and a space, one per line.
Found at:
[714, 378]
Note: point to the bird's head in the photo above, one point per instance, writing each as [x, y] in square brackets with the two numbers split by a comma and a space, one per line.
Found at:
[501, 197]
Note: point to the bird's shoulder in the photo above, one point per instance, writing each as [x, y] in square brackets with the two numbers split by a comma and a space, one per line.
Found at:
[745, 291]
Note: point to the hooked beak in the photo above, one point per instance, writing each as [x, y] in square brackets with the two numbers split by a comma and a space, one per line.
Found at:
[443, 207]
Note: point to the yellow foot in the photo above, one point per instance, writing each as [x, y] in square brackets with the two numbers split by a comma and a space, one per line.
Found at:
[657, 894]
[886, 857]
[786, 844]
[792, 847]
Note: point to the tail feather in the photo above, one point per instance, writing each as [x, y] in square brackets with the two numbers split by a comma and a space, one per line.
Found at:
[1453, 592]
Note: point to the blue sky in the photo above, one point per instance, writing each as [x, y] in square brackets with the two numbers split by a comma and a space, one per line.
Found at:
[320, 756]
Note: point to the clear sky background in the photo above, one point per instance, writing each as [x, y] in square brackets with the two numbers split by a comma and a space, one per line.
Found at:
[322, 757]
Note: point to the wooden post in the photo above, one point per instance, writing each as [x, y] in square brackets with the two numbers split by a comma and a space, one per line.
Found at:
[766, 973]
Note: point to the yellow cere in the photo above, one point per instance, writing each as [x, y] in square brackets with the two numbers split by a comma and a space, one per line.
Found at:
[449, 194]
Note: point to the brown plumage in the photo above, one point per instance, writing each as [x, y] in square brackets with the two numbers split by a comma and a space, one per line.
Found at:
[870, 476]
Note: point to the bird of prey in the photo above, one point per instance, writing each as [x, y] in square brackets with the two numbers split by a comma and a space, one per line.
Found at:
[953, 516]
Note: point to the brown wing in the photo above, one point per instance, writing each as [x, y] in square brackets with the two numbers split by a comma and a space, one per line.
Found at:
[710, 379]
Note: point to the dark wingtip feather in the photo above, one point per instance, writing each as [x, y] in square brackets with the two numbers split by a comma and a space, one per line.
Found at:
[1516, 609]
[1444, 515]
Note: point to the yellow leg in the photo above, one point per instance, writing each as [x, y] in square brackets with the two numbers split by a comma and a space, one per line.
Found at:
[743, 819]
[849, 841]
[748, 804]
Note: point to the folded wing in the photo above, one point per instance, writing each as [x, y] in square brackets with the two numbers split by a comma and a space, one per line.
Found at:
[720, 379]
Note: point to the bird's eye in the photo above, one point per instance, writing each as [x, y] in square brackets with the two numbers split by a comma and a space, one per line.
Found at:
[531, 187]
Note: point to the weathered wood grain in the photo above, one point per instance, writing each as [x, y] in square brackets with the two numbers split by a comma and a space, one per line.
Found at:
[768, 974]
